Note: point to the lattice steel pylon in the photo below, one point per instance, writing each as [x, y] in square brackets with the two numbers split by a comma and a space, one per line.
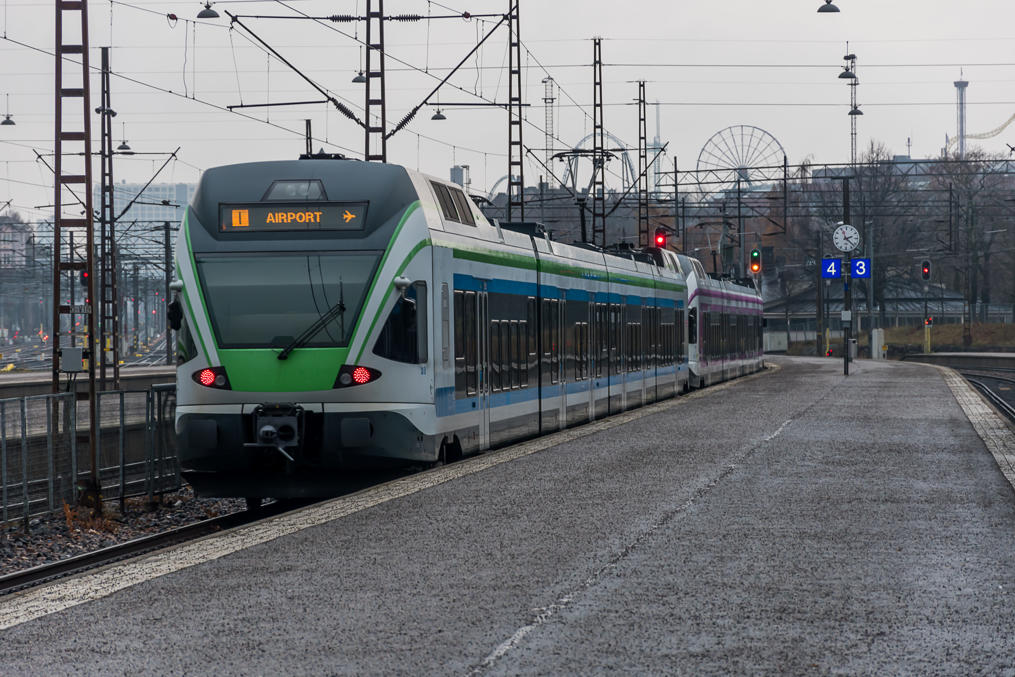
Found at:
[63, 180]
[598, 147]
[516, 151]
[643, 238]
[376, 140]
[109, 317]
[548, 99]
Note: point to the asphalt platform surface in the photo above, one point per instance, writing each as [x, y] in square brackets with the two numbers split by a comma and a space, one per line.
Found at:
[793, 522]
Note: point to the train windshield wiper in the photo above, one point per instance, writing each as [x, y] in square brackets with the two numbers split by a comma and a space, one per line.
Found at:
[314, 329]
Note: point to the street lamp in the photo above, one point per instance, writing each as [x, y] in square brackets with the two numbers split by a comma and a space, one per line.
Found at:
[827, 7]
[209, 13]
[123, 138]
[7, 121]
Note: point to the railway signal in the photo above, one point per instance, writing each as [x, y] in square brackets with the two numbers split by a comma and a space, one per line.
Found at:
[925, 270]
[84, 278]
[660, 238]
[755, 261]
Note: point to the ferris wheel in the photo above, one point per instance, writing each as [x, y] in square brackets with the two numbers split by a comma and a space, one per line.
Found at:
[741, 154]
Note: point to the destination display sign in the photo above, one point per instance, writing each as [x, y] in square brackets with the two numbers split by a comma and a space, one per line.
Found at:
[274, 216]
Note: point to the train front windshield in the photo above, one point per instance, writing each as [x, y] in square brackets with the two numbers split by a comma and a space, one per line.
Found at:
[268, 300]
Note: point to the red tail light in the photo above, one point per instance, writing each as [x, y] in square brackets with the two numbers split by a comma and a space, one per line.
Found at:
[352, 375]
[212, 377]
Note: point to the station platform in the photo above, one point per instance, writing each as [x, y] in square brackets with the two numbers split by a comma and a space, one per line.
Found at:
[1002, 361]
[794, 521]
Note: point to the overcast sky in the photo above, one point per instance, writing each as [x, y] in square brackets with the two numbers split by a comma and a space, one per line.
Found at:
[771, 64]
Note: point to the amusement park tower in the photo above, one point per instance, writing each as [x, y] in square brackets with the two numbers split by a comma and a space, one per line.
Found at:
[960, 91]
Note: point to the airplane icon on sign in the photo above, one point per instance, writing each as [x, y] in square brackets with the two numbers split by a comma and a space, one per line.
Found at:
[348, 216]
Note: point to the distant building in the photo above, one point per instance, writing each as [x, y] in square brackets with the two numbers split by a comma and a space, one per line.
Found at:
[16, 239]
[160, 201]
[558, 210]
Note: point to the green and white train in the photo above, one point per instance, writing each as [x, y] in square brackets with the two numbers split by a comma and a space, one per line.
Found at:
[333, 313]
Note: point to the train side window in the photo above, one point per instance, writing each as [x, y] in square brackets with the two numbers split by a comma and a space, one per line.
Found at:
[403, 336]
[680, 336]
[530, 355]
[186, 349]
[616, 339]
[462, 204]
[459, 342]
[511, 354]
[308, 190]
[495, 355]
[445, 327]
[445, 200]
[692, 326]
[471, 329]
[554, 341]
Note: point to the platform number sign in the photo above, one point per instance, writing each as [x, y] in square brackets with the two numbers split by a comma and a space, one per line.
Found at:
[861, 268]
[831, 268]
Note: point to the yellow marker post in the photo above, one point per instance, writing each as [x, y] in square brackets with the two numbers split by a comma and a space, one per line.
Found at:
[926, 338]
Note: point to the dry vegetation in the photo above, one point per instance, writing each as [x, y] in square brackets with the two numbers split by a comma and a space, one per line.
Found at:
[943, 338]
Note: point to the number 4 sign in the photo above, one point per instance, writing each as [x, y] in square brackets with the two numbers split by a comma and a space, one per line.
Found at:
[831, 268]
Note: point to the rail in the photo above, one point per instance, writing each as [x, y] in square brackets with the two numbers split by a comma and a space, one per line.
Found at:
[20, 580]
[999, 402]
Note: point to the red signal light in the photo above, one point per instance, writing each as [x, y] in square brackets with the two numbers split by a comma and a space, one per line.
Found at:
[212, 377]
[352, 375]
[755, 267]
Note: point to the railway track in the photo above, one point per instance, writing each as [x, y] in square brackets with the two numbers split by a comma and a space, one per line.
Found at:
[984, 382]
[27, 578]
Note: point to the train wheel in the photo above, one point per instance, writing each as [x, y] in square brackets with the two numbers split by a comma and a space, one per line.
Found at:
[454, 450]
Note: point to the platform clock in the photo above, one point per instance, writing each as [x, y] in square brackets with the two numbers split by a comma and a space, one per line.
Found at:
[846, 238]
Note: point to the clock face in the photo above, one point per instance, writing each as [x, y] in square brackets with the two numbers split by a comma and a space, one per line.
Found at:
[846, 238]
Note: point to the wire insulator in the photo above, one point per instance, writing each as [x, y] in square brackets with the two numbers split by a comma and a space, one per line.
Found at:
[342, 18]
[404, 121]
[344, 110]
[405, 17]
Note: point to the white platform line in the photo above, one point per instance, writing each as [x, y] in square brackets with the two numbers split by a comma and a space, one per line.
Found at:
[63, 594]
[542, 615]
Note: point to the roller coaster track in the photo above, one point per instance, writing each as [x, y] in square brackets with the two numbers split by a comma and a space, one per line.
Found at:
[984, 135]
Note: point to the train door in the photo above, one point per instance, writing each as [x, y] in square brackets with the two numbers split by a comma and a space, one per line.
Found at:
[483, 368]
[693, 346]
[551, 386]
[615, 363]
[560, 309]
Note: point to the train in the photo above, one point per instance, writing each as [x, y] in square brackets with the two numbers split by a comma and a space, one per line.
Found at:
[333, 313]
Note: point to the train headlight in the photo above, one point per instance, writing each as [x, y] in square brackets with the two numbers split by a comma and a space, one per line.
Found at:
[212, 377]
[353, 375]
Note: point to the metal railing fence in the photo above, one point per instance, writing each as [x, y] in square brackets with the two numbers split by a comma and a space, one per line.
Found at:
[44, 449]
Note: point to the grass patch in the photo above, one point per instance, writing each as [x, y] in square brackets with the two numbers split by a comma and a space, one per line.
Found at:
[944, 338]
